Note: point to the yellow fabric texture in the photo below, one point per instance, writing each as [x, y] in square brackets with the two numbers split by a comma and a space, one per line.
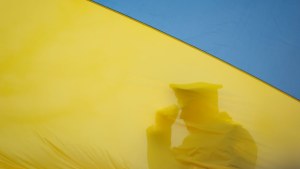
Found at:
[214, 140]
[80, 86]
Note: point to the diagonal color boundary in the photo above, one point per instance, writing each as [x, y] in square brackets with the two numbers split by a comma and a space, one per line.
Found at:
[175, 38]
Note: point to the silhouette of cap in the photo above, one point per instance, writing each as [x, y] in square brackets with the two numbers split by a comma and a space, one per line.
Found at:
[196, 87]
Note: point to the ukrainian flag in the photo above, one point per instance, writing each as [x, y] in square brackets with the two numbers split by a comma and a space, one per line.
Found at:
[82, 86]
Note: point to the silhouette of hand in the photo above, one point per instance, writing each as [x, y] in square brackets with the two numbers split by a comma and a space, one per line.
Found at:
[166, 117]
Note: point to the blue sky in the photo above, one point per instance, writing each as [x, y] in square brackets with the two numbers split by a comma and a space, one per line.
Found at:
[261, 37]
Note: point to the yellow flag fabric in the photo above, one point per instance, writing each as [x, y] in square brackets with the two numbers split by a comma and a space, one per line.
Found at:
[80, 86]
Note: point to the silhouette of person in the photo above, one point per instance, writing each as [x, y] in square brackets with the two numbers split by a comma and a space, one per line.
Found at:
[214, 141]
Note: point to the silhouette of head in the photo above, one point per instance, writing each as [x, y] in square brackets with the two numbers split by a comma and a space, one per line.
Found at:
[198, 101]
